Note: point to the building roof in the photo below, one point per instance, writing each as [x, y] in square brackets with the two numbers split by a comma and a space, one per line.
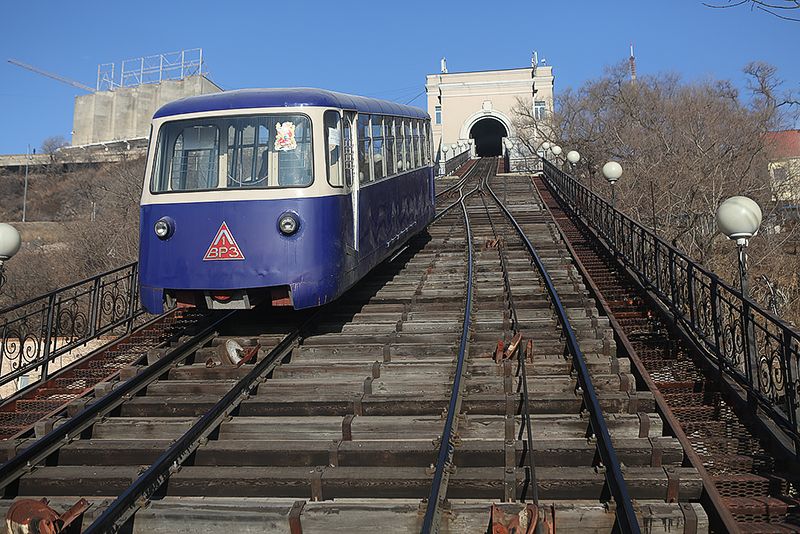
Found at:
[784, 144]
[290, 97]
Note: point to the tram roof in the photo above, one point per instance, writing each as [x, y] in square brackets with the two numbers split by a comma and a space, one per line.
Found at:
[276, 98]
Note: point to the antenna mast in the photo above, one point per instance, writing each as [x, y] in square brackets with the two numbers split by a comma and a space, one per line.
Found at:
[632, 62]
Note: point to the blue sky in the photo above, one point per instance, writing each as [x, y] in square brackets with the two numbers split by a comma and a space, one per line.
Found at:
[381, 49]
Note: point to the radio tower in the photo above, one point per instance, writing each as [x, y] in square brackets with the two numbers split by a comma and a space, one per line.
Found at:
[632, 62]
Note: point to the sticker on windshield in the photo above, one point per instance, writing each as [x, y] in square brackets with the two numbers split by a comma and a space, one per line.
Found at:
[284, 136]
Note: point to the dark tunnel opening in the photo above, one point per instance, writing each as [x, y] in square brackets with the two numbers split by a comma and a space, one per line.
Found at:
[488, 134]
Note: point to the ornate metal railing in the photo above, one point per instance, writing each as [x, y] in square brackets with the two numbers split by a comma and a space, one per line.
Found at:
[39, 330]
[747, 343]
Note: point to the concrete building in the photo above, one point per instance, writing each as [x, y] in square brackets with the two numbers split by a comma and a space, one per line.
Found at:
[125, 113]
[476, 108]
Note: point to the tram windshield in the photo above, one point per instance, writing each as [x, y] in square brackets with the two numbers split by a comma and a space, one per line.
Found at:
[263, 151]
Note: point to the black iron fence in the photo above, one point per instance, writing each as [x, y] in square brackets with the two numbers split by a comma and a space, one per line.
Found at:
[748, 344]
[36, 332]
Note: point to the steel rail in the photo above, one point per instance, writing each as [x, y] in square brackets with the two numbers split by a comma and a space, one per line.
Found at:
[521, 367]
[432, 518]
[457, 202]
[13, 469]
[460, 182]
[719, 514]
[143, 488]
[626, 517]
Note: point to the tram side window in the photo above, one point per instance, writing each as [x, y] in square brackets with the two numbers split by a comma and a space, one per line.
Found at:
[417, 144]
[364, 167]
[377, 147]
[408, 144]
[388, 126]
[194, 160]
[426, 140]
[333, 150]
[399, 145]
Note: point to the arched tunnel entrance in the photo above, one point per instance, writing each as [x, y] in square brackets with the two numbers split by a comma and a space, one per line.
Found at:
[488, 134]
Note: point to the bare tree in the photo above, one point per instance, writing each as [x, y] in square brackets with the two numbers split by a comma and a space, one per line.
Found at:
[778, 8]
[52, 144]
[685, 147]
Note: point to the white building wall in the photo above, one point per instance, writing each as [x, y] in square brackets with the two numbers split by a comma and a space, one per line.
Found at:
[467, 97]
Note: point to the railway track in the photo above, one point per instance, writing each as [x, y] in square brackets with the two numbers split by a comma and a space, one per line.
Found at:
[750, 490]
[401, 405]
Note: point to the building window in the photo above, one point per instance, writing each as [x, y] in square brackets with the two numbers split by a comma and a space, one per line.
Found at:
[438, 114]
[539, 110]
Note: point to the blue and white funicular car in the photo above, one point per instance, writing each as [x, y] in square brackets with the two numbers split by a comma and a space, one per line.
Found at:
[285, 195]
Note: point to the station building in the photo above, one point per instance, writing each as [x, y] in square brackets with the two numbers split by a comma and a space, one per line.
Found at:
[476, 109]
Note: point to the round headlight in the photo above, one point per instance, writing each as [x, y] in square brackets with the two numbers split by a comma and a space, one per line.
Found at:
[163, 228]
[288, 224]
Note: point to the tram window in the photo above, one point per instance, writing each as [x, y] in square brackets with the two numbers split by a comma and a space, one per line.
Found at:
[389, 157]
[377, 147]
[399, 145]
[333, 148]
[427, 143]
[192, 162]
[364, 167]
[417, 147]
[408, 145]
[234, 152]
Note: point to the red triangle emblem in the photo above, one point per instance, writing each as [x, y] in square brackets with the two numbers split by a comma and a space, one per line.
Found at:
[224, 246]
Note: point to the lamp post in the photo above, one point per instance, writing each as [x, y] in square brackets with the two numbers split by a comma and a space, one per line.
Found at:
[573, 156]
[739, 218]
[25, 190]
[9, 245]
[612, 171]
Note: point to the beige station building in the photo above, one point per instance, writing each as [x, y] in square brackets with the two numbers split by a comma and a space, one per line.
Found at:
[475, 110]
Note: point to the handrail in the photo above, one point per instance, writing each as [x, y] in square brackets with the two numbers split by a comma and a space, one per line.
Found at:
[446, 166]
[38, 330]
[626, 517]
[751, 346]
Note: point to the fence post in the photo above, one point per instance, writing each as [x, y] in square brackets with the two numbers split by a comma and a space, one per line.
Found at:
[690, 295]
[788, 380]
[49, 336]
[715, 318]
[94, 317]
[750, 353]
[133, 280]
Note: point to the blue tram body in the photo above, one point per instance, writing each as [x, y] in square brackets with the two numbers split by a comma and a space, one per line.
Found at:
[284, 195]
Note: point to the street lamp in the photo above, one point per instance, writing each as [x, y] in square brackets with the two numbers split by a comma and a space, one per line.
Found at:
[739, 219]
[573, 157]
[556, 150]
[612, 171]
[9, 245]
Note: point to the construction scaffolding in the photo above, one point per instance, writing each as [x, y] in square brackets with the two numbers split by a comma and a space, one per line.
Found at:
[150, 69]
